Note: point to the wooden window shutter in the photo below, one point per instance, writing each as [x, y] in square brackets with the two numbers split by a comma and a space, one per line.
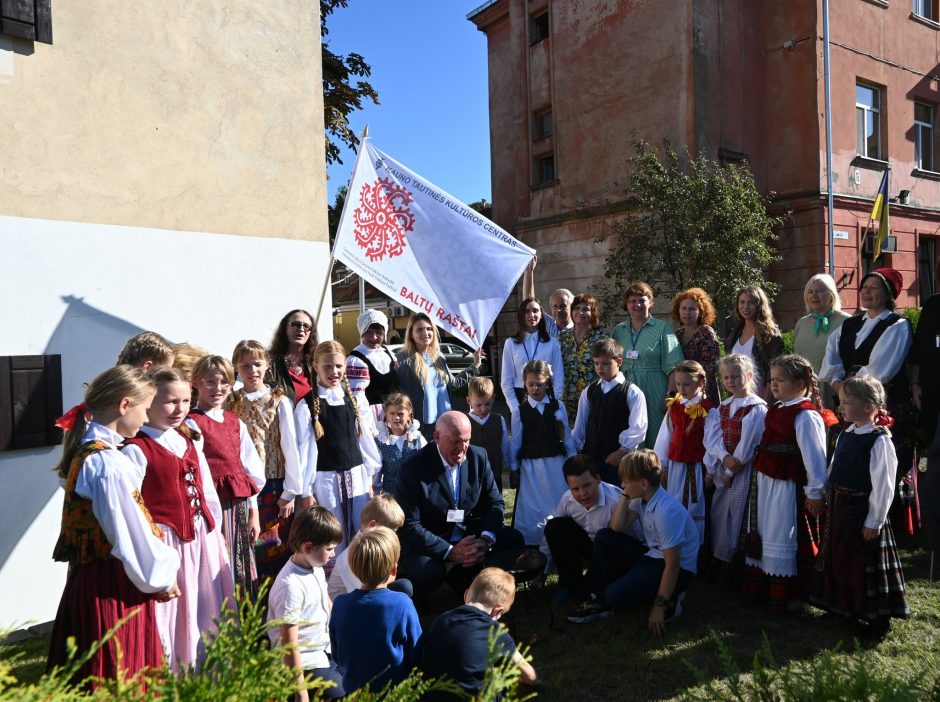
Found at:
[30, 401]
[27, 19]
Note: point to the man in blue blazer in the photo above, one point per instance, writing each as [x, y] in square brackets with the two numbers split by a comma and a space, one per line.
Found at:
[453, 510]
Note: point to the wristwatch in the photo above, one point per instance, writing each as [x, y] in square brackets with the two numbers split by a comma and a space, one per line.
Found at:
[489, 542]
[661, 601]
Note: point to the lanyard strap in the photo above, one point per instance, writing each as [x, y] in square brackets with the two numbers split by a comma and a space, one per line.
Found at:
[635, 337]
[538, 340]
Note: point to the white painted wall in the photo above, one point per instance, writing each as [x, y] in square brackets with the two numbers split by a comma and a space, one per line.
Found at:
[80, 290]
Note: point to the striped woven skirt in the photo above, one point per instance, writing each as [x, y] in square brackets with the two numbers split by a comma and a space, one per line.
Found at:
[860, 578]
[237, 532]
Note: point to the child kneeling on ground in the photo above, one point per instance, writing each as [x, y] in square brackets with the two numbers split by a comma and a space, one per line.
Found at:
[457, 644]
[299, 599]
[375, 631]
[626, 572]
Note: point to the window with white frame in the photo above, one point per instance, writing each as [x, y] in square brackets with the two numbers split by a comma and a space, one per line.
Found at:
[868, 121]
[923, 136]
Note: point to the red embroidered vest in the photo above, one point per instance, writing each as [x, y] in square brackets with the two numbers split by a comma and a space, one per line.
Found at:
[778, 455]
[172, 487]
[222, 447]
[687, 444]
[81, 539]
[731, 426]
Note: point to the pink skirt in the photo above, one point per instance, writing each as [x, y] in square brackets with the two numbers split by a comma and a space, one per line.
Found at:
[206, 587]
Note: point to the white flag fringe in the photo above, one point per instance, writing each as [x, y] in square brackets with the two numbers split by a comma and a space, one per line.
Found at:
[425, 249]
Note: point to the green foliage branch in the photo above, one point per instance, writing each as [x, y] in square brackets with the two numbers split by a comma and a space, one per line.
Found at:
[692, 223]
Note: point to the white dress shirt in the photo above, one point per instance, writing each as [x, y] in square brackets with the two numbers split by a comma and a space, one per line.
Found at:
[307, 443]
[883, 467]
[629, 438]
[886, 359]
[108, 479]
[515, 356]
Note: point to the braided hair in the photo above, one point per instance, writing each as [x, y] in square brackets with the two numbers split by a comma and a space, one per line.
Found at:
[326, 348]
[799, 370]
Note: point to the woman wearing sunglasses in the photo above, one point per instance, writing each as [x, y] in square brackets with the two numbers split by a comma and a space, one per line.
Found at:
[290, 351]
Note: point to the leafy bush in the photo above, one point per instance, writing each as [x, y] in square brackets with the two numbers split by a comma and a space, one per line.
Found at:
[787, 341]
[912, 314]
[239, 665]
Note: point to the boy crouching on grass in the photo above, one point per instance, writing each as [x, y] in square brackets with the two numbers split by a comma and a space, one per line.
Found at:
[627, 573]
[381, 510]
[374, 631]
[457, 644]
[299, 598]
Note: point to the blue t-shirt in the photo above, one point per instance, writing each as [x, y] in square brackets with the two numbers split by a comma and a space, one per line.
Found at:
[374, 635]
[457, 645]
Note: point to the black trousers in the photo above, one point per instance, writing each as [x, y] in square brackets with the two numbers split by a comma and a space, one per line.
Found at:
[427, 573]
[571, 549]
[930, 492]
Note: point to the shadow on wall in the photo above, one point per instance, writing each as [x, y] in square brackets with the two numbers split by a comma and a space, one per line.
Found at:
[89, 341]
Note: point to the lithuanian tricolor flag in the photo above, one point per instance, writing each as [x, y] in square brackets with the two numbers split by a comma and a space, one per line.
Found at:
[879, 213]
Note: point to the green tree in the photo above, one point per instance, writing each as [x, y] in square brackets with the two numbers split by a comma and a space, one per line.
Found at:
[334, 211]
[341, 94]
[693, 223]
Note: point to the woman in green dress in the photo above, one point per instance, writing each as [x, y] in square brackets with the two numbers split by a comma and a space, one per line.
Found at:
[650, 352]
[576, 344]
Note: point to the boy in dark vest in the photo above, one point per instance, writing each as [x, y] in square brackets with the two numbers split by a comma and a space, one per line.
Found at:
[488, 429]
[611, 417]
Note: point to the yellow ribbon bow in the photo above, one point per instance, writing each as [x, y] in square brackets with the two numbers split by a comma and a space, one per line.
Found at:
[673, 400]
[696, 411]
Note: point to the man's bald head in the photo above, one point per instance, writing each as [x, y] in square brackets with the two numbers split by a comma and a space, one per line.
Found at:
[452, 436]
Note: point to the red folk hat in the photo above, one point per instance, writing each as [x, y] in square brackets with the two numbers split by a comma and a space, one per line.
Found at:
[892, 280]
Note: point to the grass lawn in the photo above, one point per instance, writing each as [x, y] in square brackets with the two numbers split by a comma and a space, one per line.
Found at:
[617, 659]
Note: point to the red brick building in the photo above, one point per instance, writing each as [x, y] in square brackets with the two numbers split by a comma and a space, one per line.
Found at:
[573, 83]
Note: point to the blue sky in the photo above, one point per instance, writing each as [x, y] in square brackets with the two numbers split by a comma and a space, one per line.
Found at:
[429, 69]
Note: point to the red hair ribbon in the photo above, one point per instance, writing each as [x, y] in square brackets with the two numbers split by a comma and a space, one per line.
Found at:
[829, 417]
[883, 419]
[67, 420]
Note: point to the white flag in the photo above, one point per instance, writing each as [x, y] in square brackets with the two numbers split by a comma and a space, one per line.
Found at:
[425, 249]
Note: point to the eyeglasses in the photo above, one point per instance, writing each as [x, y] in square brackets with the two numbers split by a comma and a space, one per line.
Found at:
[301, 325]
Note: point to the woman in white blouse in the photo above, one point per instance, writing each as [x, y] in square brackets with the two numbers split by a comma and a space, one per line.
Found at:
[532, 341]
[875, 342]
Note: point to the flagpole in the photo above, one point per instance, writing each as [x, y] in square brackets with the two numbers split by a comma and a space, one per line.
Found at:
[329, 268]
[829, 204]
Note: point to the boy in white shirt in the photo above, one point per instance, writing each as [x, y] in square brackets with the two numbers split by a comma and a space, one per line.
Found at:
[612, 417]
[381, 510]
[299, 599]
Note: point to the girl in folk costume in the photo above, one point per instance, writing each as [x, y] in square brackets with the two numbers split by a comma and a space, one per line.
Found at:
[268, 414]
[731, 438]
[117, 563]
[237, 471]
[859, 560]
[371, 367]
[680, 444]
[787, 488]
[541, 441]
[335, 432]
[398, 437]
[179, 493]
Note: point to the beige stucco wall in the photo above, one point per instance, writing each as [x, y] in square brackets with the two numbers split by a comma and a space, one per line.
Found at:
[177, 114]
